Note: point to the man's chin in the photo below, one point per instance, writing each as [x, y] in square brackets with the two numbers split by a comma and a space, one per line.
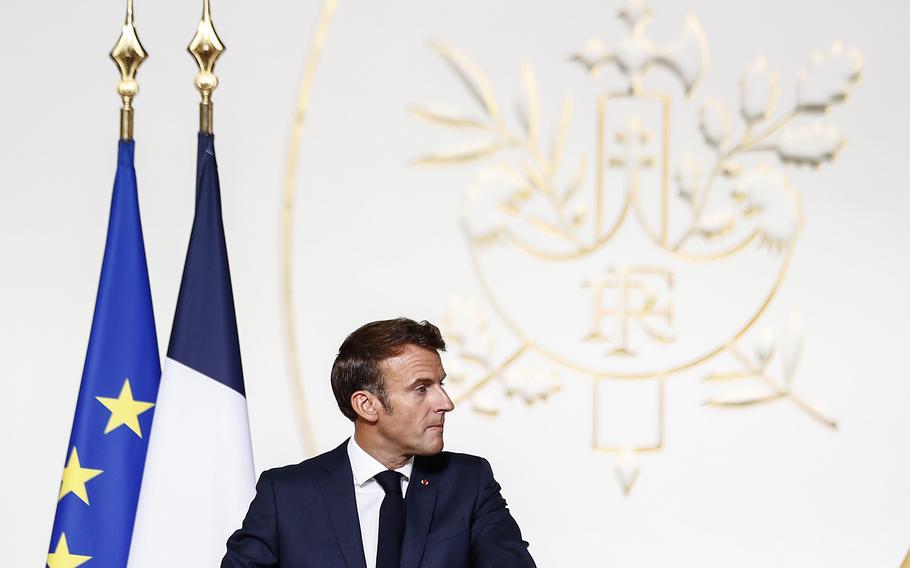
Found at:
[431, 448]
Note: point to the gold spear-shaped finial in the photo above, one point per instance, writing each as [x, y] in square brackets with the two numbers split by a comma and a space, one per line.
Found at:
[128, 54]
[205, 49]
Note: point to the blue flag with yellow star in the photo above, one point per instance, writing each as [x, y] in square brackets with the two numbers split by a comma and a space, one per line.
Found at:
[106, 453]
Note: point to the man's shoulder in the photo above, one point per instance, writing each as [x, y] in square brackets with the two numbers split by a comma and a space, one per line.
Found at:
[308, 468]
[455, 462]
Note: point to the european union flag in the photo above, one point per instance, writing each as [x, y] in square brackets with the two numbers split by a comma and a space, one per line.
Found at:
[106, 452]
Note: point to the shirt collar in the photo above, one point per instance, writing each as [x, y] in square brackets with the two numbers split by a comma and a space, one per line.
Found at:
[364, 466]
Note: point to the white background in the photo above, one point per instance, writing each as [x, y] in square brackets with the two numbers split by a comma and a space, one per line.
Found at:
[375, 238]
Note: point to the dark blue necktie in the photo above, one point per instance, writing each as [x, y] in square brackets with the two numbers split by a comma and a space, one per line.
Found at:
[392, 515]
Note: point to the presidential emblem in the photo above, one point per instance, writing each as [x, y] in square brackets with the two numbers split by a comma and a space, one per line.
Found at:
[641, 236]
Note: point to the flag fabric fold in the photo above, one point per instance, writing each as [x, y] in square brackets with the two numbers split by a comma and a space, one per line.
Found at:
[96, 506]
[199, 475]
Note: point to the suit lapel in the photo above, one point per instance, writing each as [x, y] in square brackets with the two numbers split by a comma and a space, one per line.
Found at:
[337, 485]
[421, 502]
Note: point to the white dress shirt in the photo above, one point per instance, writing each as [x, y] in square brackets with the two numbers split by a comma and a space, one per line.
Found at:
[369, 495]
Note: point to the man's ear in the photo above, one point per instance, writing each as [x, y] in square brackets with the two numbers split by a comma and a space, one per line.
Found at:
[366, 405]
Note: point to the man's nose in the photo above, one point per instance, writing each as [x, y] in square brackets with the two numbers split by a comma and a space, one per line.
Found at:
[445, 403]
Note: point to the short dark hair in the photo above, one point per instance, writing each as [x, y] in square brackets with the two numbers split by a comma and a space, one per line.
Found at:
[357, 365]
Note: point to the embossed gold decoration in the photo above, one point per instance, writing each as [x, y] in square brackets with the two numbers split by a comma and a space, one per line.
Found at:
[526, 217]
[128, 54]
[633, 328]
[206, 48]
[295, 378]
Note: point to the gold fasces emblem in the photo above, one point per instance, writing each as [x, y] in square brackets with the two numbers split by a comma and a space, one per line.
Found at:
[624, 252]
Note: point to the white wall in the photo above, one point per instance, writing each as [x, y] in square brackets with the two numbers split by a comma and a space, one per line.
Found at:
[762, 486]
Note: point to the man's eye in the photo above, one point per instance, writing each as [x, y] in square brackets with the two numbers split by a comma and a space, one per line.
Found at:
[421, 389]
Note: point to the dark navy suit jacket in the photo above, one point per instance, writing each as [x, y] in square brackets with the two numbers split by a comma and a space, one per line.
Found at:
[305, 516]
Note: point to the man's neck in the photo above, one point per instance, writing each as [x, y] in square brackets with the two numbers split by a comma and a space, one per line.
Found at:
[374, 446]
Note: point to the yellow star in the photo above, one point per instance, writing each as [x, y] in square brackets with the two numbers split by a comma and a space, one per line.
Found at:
[61, 557]
[124, 409]
[75, 476]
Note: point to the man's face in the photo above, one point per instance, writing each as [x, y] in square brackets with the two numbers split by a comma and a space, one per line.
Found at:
[417, 401]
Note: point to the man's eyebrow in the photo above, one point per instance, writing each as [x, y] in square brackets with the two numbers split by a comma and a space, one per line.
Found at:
[426, 381]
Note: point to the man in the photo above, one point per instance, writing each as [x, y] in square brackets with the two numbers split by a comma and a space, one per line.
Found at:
[389, 496]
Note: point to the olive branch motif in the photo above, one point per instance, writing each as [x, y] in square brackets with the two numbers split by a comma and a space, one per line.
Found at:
[803, 135]
[752, 382]
[478, 374]
[536, 174]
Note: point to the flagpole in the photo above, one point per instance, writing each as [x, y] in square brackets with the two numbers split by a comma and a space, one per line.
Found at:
[128, 54]
[99, 490]
[205, 48]
[199, 477]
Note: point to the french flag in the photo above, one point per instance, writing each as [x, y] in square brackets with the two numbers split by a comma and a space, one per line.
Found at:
[199, 477]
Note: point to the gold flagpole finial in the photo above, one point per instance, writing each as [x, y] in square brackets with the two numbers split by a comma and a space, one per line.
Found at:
[205, 49]
[128, 54]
